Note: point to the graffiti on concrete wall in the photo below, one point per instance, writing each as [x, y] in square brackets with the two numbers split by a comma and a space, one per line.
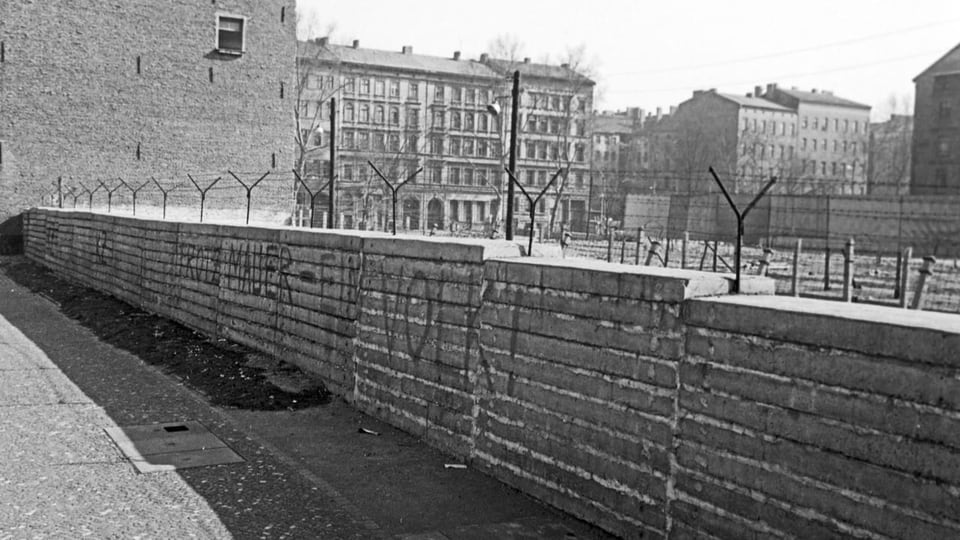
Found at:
[257, 268]
[103, 248]
[199, 263]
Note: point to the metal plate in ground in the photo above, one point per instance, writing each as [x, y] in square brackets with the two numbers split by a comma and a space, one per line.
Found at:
[171, 446]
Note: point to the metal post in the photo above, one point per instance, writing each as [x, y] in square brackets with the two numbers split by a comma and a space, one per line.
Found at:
[741, 217]
[848, 271]
[925, 271]
[514, 123]
[60, 192]
[666, 254]
[896, 284]
[683, 249]
[609, 244]
[654, 251]
[905, 276]
[333, 159]
[795, 280]
[623, 247]
[826, 269]
[765, 261]
[636, 260]
[716, 246]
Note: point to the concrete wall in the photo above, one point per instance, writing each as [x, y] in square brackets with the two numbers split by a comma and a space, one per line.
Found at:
[640, 399]
[818, 420]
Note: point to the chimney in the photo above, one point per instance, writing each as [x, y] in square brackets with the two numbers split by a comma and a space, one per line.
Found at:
[749, 94]
[758, 91]
[356, 44]
[526, 60]
[484, 57]
[321, 41]
[673, 109]
[565, 66]
[456, 55]
[697, 93]
[813, 91]
[659, 113]
[407, 49]
[771, 87]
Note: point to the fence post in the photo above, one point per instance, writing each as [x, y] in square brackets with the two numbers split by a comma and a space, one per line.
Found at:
[654, 251]
[683, 249]
[623, 247]
[925, 271]
[826, 269]
[896, 283]
[639, 244]
[795, 279]
[905, 276]
[848, 271]
[609, 244]
[716, 246]
[765, 261]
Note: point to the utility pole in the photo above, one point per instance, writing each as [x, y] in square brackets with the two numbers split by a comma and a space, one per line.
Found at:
[333, 160]
[514, 124]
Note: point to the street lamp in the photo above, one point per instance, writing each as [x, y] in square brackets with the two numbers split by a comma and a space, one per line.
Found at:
[494, 108]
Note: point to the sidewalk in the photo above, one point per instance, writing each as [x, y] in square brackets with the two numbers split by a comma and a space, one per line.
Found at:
[305, 474]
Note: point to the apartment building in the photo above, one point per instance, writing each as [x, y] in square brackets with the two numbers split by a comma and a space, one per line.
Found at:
[814, 142]
[832, 139]
[935, 168]
[400, 112]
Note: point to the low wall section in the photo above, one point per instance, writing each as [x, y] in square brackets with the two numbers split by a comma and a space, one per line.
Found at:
[637, 398]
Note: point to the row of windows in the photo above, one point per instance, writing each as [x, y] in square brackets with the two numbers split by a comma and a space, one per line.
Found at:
[813, 167]
[466, 147]
[815, 122]
[838, 146]
[541, 124]
[774, 127]
[554, 151]
[763, 151]
[390, 88]
[836, 169]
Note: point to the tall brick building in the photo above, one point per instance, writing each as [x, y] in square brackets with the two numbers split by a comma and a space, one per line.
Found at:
[403, 111]
[92, 91]
[936, 128]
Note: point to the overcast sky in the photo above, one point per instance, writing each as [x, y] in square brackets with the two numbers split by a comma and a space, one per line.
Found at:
[654, 54]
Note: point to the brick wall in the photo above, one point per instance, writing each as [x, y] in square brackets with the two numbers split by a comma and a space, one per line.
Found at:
[72, 103]
[620, 394]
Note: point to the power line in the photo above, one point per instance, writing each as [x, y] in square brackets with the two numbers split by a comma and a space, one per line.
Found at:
[786, 76]
[788, 52]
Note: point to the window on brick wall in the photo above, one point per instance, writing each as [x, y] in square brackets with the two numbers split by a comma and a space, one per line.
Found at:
[230, 34]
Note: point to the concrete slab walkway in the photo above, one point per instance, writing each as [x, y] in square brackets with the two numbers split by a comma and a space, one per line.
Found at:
[305, 474]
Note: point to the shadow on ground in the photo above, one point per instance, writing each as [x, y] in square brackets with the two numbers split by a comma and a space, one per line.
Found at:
[228, 374]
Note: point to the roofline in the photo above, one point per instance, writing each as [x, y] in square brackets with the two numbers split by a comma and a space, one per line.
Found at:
[931, 66]
[339, 60]
[773, 104]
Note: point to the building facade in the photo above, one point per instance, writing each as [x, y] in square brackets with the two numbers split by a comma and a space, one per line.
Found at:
[813, 142]
[400, 112]
[832, 139]
[95, 92]
[935, 168]
[889, 161]
[616, 160]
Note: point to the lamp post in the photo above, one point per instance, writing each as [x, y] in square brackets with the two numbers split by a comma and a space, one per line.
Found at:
[333, 158]
[495, 109]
